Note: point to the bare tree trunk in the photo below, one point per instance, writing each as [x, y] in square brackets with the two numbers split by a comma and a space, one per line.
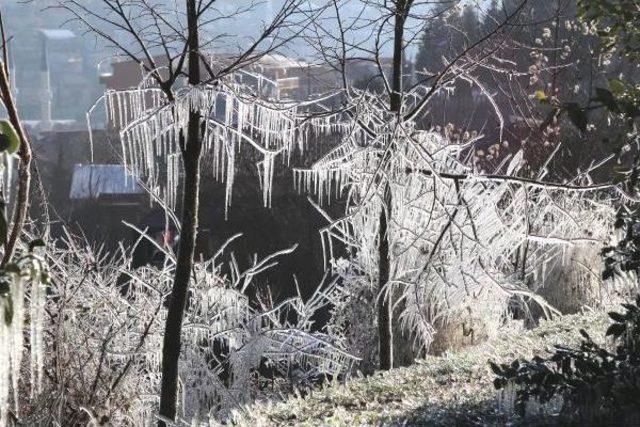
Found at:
[385, 312]
[385, 325]
[398, 58]
[25, 155]
[189, 223]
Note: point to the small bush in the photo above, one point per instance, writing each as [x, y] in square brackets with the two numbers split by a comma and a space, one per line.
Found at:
[596, 383]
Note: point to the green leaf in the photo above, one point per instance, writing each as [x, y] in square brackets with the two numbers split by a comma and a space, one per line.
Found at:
[618, 178]
[541, 96]
[9, 141]
[617, 86]
[4, 142]
[630, 109]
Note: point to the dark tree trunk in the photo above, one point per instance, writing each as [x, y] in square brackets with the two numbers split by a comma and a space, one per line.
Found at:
[385, 312]
[24, 168]
[385, 331]
[189, 224]
[398, 58]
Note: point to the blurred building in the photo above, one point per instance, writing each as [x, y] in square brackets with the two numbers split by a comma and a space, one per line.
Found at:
[55, 79]
[291, 78]
[112, 185]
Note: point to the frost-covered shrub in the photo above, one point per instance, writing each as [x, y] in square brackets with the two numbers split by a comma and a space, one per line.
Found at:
[595, 383]
[105, 322]
[353, 313]
[453, 233]
[574, 281]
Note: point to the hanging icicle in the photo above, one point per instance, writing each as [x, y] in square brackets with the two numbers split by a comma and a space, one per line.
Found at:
[150, 128]
[12, 331]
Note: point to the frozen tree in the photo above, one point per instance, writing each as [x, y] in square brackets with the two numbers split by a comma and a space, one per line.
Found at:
[430, 236]
[192, 100]
[435, 233]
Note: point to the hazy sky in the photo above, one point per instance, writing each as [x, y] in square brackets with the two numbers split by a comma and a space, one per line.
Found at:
[238, 30]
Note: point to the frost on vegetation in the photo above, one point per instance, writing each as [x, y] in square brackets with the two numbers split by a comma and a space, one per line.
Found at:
[22, 299]
[453, 389]
[104, 329]
[455, 235]
[7, 165]
[152, 129]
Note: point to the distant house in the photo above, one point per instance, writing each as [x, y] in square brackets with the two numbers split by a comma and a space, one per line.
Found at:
[54, 77]
[295, 78]
[101, 198]
[107, 184]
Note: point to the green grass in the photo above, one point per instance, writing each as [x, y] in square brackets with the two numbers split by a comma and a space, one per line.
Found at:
[454, 389]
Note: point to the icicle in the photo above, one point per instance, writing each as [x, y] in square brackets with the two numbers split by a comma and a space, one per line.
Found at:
[37, 337]
[231, 155]
[11, 342]
[16, 346]
[267, 178]
[5, 367]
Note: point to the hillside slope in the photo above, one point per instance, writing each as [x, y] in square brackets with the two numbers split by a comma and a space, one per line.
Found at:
[455, 389]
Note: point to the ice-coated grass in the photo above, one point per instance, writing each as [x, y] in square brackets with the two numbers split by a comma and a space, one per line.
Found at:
[454, 389]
